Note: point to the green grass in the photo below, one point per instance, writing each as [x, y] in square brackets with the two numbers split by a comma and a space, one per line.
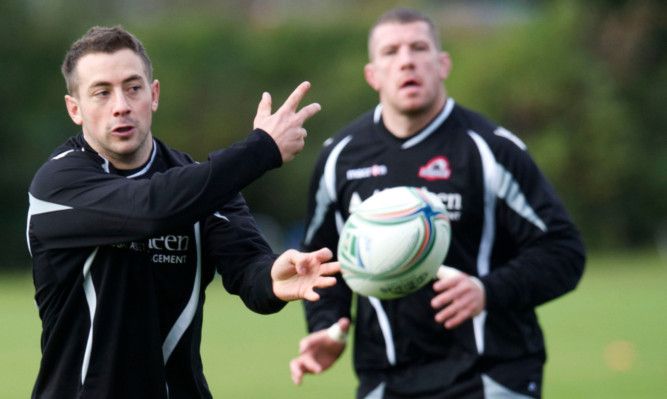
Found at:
[605, 340]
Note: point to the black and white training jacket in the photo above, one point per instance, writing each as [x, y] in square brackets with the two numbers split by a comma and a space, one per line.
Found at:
[121, 263]
[509, 229]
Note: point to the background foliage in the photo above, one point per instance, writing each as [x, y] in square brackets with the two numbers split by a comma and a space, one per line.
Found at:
[582, 83]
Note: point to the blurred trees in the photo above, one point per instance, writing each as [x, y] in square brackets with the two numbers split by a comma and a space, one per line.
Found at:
[582, 83]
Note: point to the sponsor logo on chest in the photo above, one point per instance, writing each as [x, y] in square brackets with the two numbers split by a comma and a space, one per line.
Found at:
[164, 249]
[364, 173]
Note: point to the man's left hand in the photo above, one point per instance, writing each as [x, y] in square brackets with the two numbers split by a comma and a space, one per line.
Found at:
[460, 297]
[295, 274]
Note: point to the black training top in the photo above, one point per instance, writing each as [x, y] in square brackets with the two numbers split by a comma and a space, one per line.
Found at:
[509, 229]
[121, 263]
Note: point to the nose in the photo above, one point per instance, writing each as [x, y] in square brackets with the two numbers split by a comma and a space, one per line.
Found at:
[406, 57]
[121, 105]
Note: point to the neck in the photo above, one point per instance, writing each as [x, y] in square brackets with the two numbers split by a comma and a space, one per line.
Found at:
[407, 124]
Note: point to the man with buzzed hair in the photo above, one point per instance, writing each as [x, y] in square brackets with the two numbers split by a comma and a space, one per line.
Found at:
[473, 333]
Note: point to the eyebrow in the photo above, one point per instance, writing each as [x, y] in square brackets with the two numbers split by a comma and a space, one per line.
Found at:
[102, 83]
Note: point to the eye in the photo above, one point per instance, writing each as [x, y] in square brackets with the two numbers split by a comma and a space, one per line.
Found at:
[101, 93]
[389, 51]
[421, 47]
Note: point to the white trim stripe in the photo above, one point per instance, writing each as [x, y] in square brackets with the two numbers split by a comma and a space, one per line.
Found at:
[148, 165]
[439, 120]
[492, 389]
[502, 132]
[377, 114]
[428, 130]
[221, 216]
[509, 190]
[326, 191]
[188, 314]
[386, 330]
[489, 167]
[91, 299]
[61, 155]
[38, 207]
[330, 168]
[377, 393]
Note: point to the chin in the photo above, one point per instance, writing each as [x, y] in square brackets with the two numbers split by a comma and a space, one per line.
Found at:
[415, 110]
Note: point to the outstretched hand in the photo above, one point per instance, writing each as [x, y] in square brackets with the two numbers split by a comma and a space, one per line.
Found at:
[285, 126]
[295, 274]
[318, 351]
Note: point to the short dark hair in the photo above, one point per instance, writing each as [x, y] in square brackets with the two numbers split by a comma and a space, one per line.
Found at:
[404, 16]
[102, 40]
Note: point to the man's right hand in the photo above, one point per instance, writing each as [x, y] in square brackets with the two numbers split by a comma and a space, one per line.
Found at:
[318, 352]
[285, 126]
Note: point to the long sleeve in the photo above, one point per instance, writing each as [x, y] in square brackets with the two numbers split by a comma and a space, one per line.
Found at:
[75, 203]
[532, 222]
[242, 256]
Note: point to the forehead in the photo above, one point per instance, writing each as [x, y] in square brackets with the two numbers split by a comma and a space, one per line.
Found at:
[98, 67]
[396, 33]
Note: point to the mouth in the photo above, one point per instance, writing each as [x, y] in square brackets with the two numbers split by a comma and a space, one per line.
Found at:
[123, 130]
[409, 84]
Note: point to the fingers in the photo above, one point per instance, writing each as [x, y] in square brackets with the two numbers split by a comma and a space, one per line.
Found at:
[320, 282]
[305, 261]
[297, 95]
[327, 269]
[447, 272]
[323, 254]
[461, 297]
[299, 367]
[455, 313]
[448, 293]
[293, 101]
[264, 107]
[296, 371]
[285, 126]
[308, 342]
[311, 295]
[296, 274]
[324, 282]
[302, 365]
[309, 110]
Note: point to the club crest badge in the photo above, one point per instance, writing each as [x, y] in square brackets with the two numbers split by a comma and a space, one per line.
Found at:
[436, 169]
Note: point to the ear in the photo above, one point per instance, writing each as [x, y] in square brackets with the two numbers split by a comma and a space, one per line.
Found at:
[155, 94]
[73, 109]
[369, 74]
[445, 65]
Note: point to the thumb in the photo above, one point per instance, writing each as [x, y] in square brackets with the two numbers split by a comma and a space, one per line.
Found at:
[344, 324]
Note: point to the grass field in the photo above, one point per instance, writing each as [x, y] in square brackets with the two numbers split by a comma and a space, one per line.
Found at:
[606, 340]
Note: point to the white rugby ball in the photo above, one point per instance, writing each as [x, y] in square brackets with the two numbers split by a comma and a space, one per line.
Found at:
[394, 242]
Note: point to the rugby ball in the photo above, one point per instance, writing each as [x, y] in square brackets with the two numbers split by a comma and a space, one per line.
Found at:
[394, 242]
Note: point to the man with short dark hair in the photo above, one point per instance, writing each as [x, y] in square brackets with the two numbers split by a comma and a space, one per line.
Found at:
[126, 233]
[473, 333]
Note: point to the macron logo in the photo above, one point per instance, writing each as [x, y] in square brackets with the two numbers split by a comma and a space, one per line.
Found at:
[363, 173]
[436, 169]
